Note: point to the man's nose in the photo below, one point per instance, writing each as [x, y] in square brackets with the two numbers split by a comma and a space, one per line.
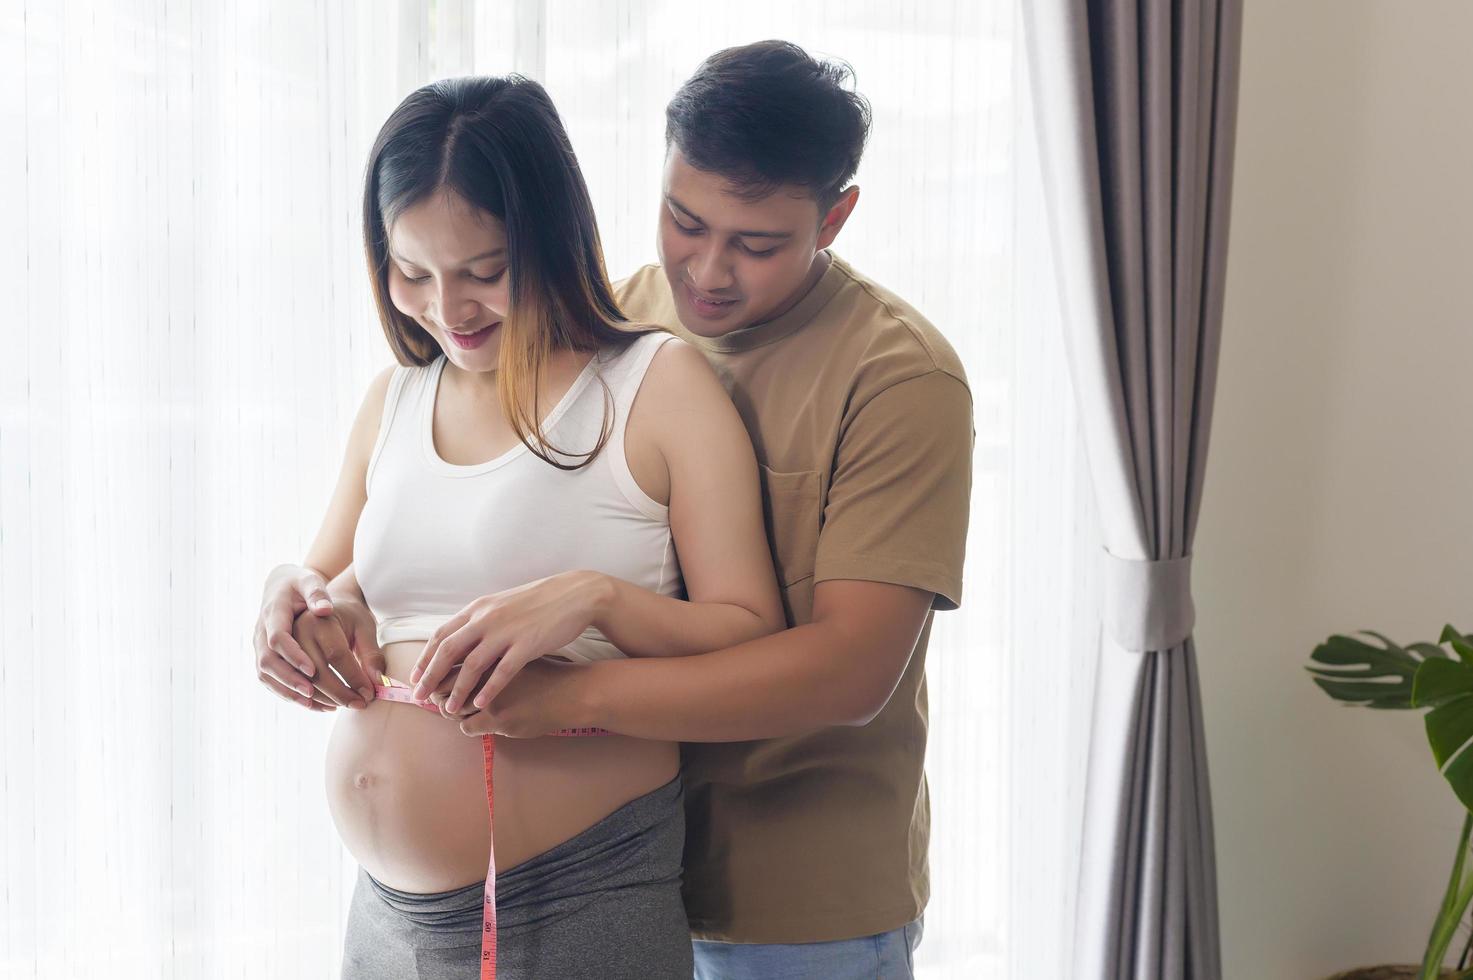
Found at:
[709, 269]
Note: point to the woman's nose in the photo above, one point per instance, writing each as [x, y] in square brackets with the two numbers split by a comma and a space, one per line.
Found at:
[455, 308]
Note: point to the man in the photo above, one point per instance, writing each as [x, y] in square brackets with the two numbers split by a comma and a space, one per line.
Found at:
[807, 808]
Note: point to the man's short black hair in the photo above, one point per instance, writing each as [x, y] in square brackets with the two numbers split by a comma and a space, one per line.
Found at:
[767, 114]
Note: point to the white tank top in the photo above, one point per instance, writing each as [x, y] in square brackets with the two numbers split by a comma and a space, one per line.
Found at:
[434, 535]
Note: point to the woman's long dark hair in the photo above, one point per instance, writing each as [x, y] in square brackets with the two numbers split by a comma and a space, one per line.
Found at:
[500, 145]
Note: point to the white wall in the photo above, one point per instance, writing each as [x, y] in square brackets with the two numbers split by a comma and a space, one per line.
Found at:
[1340, 487]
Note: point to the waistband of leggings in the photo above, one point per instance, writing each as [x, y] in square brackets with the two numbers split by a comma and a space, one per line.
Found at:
[447, 907]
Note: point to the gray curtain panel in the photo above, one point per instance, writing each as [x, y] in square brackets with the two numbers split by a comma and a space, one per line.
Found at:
[1136, 106]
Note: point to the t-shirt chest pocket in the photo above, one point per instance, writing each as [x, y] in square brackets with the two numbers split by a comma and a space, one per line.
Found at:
[791, 508]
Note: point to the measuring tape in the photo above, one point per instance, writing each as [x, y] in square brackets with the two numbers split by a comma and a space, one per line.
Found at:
[391, 690]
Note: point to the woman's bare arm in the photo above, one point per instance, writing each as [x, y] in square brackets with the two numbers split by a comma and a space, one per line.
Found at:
[281, 662]
[715, 501]
[332, 549]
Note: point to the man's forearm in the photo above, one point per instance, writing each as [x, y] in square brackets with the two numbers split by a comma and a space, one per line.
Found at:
[798, 680]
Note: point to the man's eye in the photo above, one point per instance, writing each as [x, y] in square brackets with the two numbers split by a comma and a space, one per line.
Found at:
[756, 253]
[685, 229]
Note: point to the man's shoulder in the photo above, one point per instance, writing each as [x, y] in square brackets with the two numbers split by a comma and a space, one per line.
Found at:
[889, 336]
[644, 286]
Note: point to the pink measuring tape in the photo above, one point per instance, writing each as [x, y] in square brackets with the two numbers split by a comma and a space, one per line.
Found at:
[392, 690]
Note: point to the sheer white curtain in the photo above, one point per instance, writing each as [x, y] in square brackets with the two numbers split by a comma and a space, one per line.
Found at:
[186, 335]
[189, 333]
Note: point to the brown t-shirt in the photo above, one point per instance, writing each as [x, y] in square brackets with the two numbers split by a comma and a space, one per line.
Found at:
[862, 421]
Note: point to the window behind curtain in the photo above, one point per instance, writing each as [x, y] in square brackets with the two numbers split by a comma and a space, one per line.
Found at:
[189, 334]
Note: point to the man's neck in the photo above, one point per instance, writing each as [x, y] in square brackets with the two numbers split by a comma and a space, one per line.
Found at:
[815, 273]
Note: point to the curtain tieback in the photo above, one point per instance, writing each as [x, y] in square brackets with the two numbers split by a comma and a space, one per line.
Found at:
[1148, 603]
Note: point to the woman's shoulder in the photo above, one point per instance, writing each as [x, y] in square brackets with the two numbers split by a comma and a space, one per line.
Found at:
[682, 412]
[635, 354]
[368, 422]
[382, 397]
[389, 384]
[377, 393]
[635, 335]
[682, 400]
[663, 361]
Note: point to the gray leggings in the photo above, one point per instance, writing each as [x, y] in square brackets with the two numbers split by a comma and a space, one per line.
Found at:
[605, 904]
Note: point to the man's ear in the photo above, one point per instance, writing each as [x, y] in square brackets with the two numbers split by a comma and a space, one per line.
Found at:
[838, 214]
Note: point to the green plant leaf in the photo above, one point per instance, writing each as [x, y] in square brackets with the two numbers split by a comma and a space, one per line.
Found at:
[1437, 681]
[1358, 672]
[1449, 727]
[1459, 775]
[1460, 643]
[1419, 675]
[1447, 686]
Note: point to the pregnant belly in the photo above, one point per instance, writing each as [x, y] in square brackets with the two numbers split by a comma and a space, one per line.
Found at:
[406, 791]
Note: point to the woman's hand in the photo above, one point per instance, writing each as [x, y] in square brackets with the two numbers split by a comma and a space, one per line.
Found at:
[281, 664]
[507, 631]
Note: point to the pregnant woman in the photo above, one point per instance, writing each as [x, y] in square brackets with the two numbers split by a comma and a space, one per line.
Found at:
[581, 488]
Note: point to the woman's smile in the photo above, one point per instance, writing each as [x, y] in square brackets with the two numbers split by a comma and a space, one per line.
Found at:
[472, 339]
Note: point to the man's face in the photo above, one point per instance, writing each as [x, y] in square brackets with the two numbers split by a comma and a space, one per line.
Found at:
[733, 262]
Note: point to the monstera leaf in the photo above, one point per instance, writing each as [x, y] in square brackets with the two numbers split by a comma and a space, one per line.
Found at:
[1358, 672]
[1420, 675]
[1446, 686]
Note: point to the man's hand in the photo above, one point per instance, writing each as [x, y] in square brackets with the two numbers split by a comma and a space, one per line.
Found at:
[544, 697]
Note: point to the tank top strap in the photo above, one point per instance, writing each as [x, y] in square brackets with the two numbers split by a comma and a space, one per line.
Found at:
[624, 377]
[625, 374]
[396, 424]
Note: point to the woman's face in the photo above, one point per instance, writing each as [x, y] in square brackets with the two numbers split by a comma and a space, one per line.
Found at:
[448, 270]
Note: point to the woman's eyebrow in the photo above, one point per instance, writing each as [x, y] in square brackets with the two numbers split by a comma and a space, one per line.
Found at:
[500, 250]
